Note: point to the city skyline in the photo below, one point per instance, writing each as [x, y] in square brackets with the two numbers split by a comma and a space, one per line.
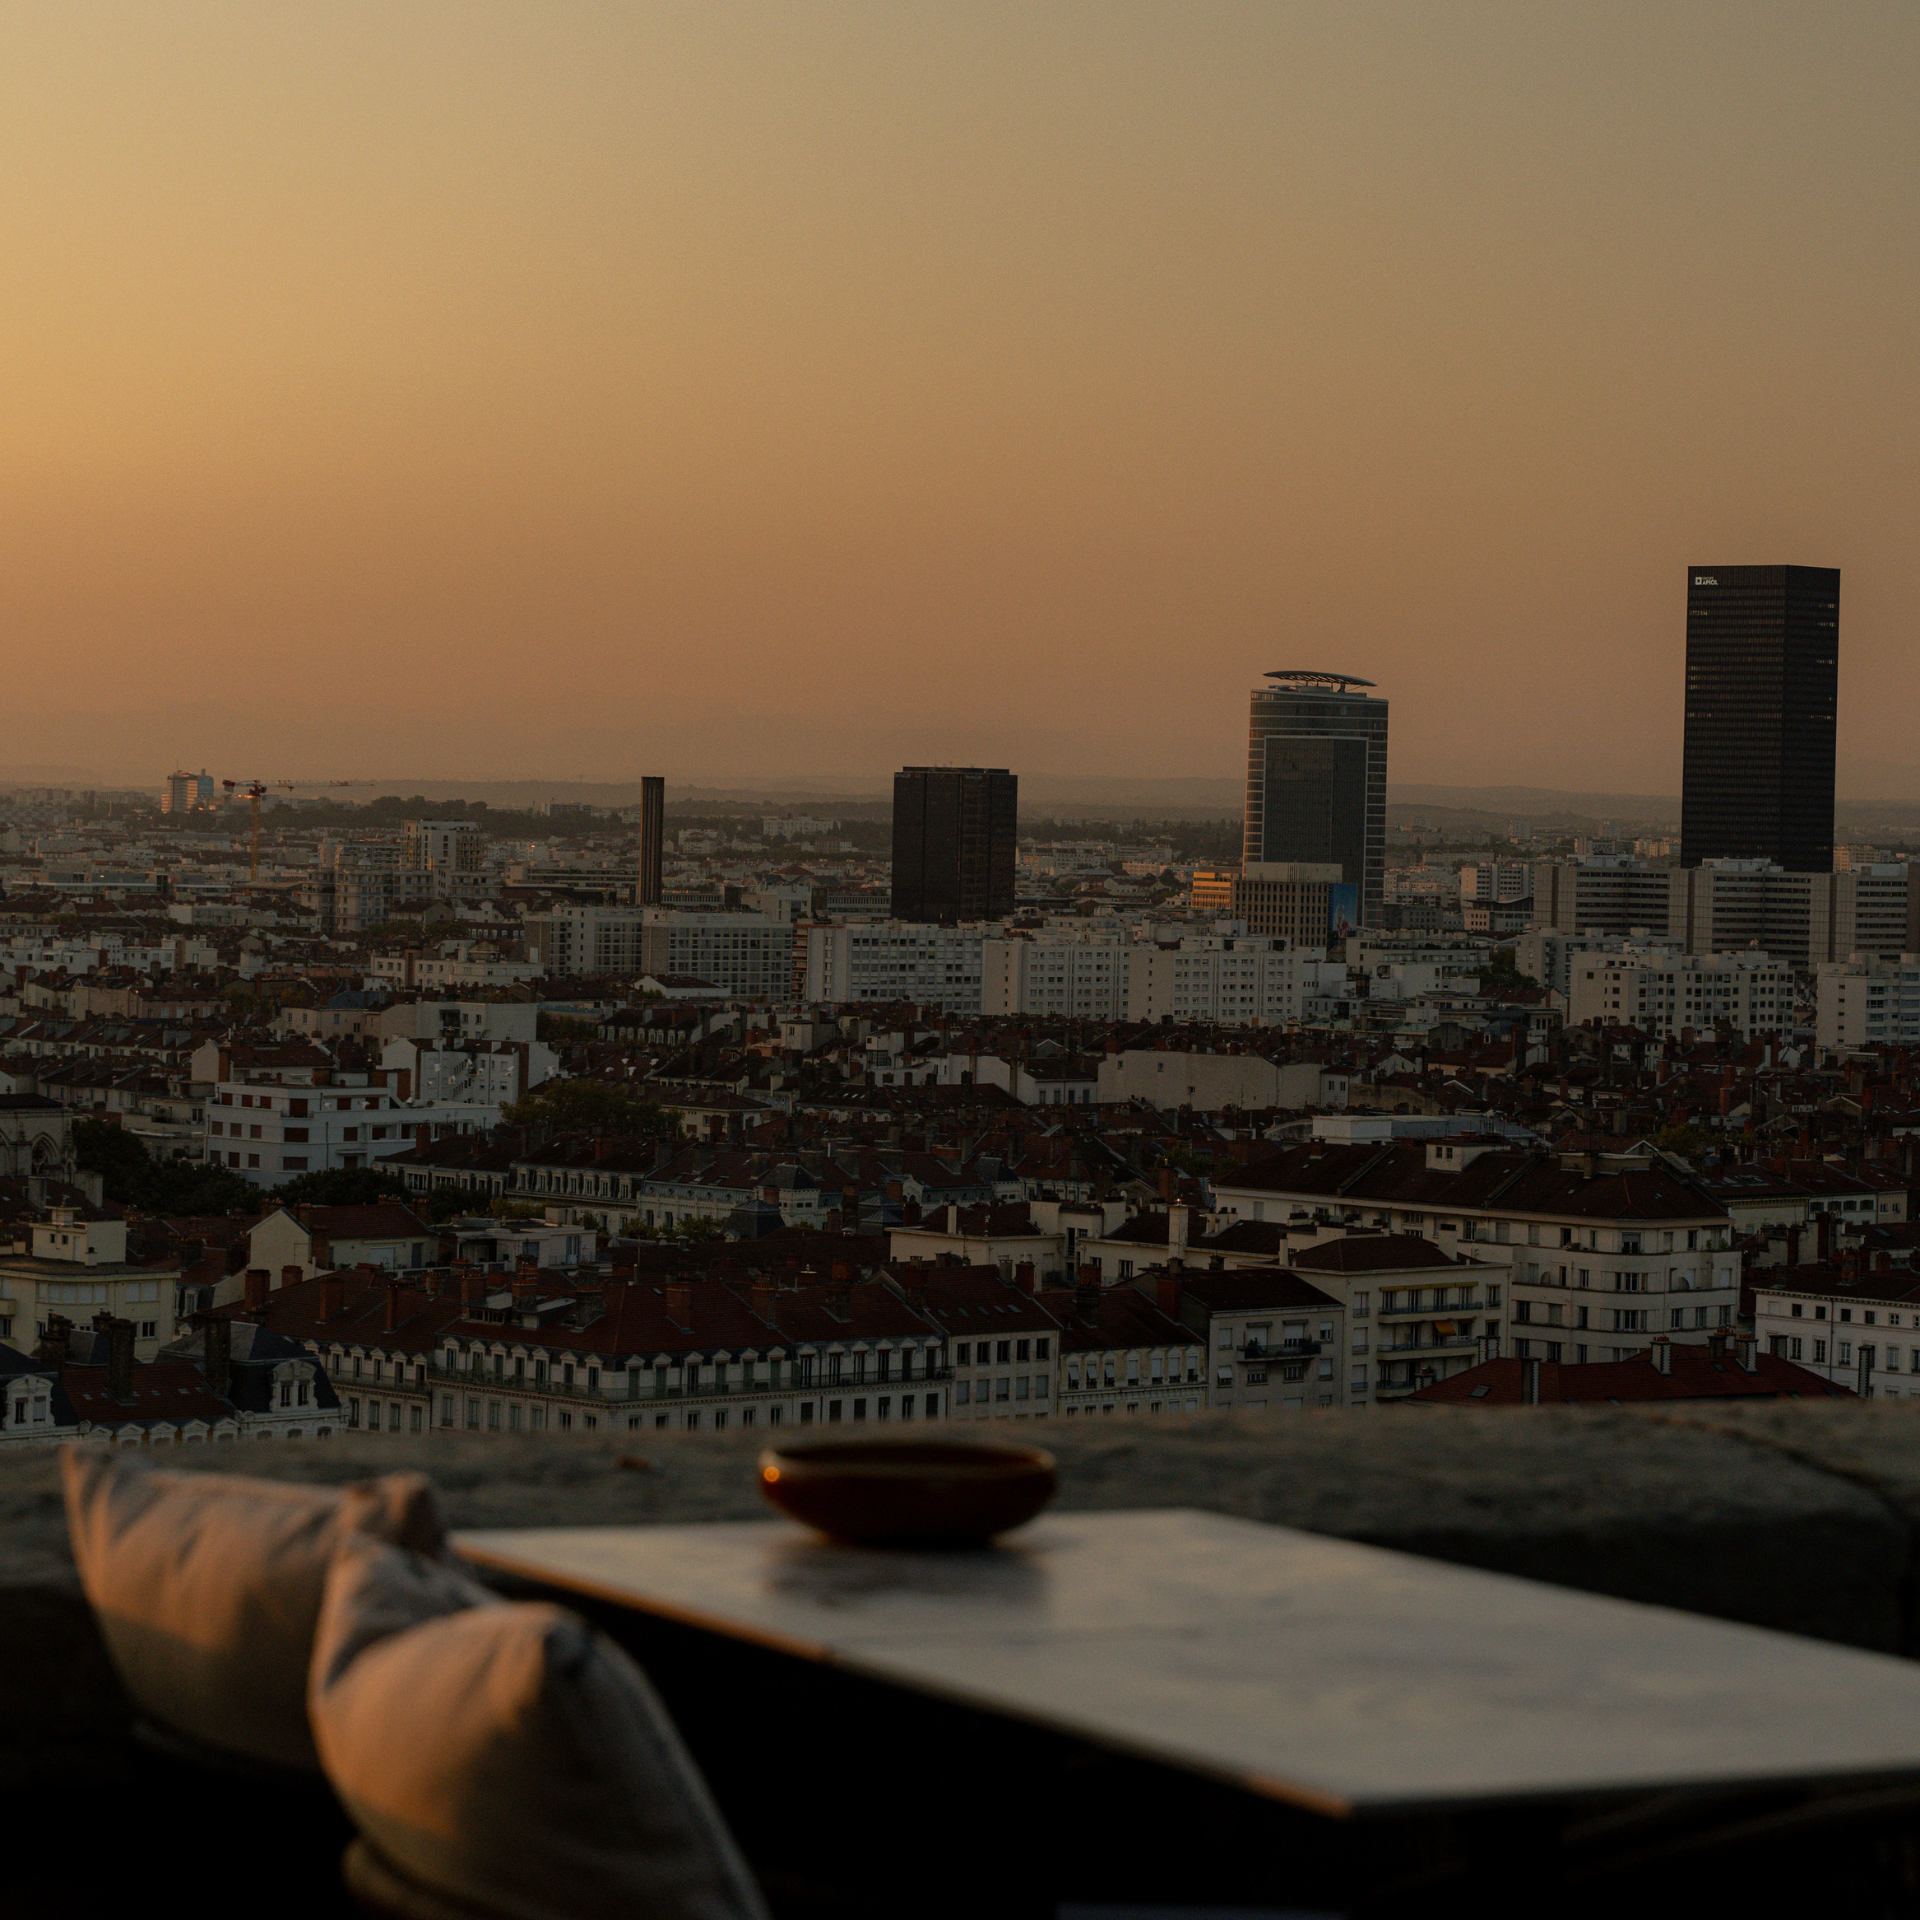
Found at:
[1101, 349]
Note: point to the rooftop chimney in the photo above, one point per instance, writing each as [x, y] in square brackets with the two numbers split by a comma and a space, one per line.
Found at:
[218, 1363]
[1746, 1350]
[394, 1316]
[680, 1303]
[1023, 1275]
[52, 1350]
[1529, 1383]
[119, 1354]
[1179, 1218]
[259, 1284]
[473, 1287]
[1086, 1302]
[1166, 1293]
[1662, 1354]
[761, 1296]
[333, 1296]
[288, 1275]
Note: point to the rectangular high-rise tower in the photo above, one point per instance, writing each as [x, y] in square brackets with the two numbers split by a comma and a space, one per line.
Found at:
[1317, 782]
[1763, 681]
[954, 830]
[653, 841]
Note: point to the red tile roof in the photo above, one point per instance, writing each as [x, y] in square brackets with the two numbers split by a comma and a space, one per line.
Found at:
[1698, 1374]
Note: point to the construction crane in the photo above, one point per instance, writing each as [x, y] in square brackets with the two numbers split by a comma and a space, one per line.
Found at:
[255, 791]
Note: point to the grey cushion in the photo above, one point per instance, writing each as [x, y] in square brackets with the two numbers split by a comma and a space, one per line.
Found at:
[207, 1587]
[506, 1758]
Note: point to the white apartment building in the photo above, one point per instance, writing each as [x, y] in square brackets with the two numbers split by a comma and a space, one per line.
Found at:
[1229, 981]
[1803, 918]
[1549, 956]
[1496, 880]
[1748, 992]
[1211, 1081]
[1868, 1002]
[463, 967]
[747, 955]
[1600, 893]
[895, 960]
[1861, 1332]
[444, 846]
[471, 1073]
[1602, 1251]
[1081, 976]
[458, 1020]
[1453, 960]
[592, 940]
[270, 1133]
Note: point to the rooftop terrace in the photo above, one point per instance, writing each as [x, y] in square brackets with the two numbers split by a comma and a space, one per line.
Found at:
[1804, 1518]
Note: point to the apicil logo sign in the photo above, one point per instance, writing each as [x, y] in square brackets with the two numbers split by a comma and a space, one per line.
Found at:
[1705, 580]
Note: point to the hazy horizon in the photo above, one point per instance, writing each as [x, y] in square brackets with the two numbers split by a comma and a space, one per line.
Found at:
[722, 388]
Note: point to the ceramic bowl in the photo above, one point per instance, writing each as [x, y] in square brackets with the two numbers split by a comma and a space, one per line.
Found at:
[923, 1493]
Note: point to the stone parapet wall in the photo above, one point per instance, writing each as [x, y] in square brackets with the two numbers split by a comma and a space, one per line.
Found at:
[1799, 1517]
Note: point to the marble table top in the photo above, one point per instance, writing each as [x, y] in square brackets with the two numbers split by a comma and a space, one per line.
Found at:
[1341, 1677]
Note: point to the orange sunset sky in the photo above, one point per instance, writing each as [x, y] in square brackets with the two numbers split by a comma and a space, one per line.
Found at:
[577, 390]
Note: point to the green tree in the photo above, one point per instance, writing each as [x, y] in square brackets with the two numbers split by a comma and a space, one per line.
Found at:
[1681, 1138]
[588, 1106]
[454, 1203]
[341, 1187]
[504, 1209]
[558, 1028]
[1502, 975]
[131, 1177]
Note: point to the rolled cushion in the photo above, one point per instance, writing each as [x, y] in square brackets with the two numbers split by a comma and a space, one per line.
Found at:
[506, 1759]
[207, 1588]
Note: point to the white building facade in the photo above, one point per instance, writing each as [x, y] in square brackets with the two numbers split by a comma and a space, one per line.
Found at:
[1229, 981]
[895, 960]
[1748, 992]
[271, 1133]
[1081, 977]
[1868, 1002]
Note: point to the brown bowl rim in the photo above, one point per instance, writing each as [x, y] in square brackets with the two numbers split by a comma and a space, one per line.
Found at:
[817, 1460]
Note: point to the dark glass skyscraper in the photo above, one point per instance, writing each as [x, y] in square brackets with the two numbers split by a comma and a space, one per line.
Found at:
[1763, 681]
[1317, 780]
[653, 838]
[953, 843]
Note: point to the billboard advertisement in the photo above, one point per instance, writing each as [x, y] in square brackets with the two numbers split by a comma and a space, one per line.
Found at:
[1343, 910]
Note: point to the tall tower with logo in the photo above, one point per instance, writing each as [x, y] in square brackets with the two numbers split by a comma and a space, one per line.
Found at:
[1763, 693]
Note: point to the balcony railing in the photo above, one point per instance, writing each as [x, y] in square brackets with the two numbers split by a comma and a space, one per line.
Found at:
[1280, 1349]
[621, 1389]
[1460, 1343]
[1403, 1313]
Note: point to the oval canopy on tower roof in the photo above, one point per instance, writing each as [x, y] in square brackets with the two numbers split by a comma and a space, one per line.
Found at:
[1304, 677]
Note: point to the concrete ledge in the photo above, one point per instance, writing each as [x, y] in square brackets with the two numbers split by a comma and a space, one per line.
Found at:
[1800, 1517]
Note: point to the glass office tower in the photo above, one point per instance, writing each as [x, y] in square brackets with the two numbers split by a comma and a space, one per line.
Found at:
[954, 831]
[1763, 680]
[1317, 780]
